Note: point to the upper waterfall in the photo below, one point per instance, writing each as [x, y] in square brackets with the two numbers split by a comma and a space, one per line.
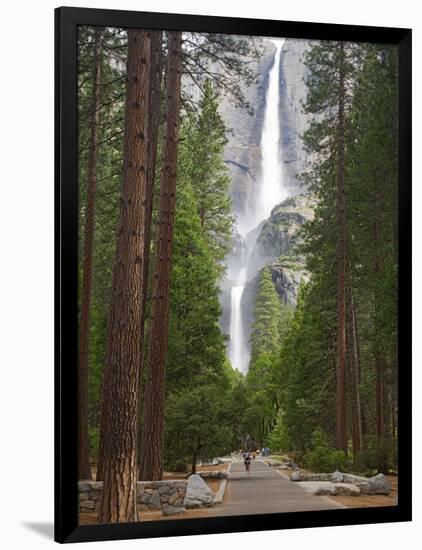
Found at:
[269, 193]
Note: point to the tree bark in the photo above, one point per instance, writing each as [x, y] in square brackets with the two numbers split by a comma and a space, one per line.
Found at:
[353, 361]
[153, 425]
[379, 359]
[153, 128]
[84, 470]
[341, 263]
[120, 400]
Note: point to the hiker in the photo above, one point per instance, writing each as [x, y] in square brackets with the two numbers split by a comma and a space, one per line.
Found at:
[247, 462]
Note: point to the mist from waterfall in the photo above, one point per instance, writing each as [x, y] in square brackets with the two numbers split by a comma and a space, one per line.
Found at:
[269, 193]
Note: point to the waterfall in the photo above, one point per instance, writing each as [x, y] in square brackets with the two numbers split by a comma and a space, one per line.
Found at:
[269, 193]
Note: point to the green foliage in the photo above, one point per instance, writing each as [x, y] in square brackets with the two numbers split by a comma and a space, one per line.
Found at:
[202, 167]
[322, 457]
[287, 399]
[265, 337]
[223, 58]
[308, 352]
[109, 165]
[278, 439]
[197, 427]
[379, 455]
[196, 345]
[93, 440]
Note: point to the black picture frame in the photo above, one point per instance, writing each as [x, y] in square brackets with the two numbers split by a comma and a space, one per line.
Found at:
[67, 20]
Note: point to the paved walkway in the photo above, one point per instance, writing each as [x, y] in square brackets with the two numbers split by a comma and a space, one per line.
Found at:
[265, 491]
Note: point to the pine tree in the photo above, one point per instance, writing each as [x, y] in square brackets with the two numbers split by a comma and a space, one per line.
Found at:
[330, 84]
[119, 414]
[202, 163]
[265, 337]
[84, 469]
[153, 426]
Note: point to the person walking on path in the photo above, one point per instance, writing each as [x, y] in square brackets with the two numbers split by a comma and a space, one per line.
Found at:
[247, 462]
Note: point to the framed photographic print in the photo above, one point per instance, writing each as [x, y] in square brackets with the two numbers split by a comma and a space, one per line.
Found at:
[232, 274]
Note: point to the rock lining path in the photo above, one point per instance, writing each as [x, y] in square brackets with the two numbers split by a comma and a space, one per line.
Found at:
[266, 491]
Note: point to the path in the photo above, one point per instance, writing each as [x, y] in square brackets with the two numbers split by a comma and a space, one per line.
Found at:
[266, 491]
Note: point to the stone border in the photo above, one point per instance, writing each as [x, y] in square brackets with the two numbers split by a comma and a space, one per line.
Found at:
[219, 496]
[376, 485]
[150, 495]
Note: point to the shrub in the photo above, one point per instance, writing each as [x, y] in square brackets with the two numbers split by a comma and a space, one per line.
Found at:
[379, 455]
[322, 457]
[176, 465]
[93, 440]
[278, 438]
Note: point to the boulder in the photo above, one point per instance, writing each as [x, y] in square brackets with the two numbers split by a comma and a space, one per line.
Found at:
[173, 497]
[198, 494]
[84, 486]
[337, 477]
[324, 488]
[351, 478]
[379, 485]
[296, 476]
[210, 474]
[172, 510]
[145, 498]
[344, 489]
[347, 484]
[88, 504]
[155, 500]
[364, 487]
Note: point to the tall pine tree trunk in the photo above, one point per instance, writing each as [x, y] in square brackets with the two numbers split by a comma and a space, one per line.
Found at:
[353, 361]
[341, 261]
[153, 424]
[153, 130]
[153, 127]
[84, 470]
[120, 399]
[379, 359]
[364, 423]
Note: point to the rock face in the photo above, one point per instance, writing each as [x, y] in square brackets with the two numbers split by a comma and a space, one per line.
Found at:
[274, 240]
[275, 247]
[293, 121]
[198, 494]
[280, 234]
[242, 153]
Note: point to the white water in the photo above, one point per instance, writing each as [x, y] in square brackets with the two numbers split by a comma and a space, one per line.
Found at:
[269, 194]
